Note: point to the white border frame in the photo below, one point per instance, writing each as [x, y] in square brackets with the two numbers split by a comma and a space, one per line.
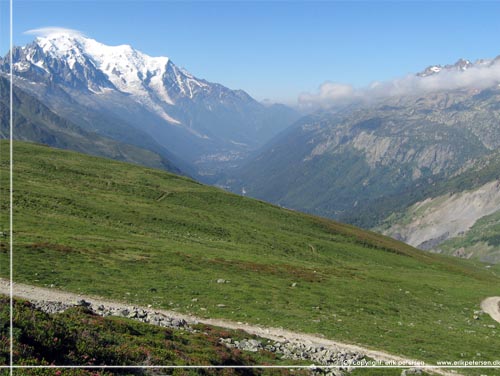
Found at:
[11, 188]
[11, 365]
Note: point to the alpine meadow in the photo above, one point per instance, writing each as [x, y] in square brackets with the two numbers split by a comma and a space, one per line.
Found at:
[311, 188]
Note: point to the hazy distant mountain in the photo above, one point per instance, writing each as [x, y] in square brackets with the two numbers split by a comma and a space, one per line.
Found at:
[362, 163]
[33, 121]
[111, 89]
[460, 66]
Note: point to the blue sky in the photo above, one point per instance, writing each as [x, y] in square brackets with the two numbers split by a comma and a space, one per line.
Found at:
[278, 49]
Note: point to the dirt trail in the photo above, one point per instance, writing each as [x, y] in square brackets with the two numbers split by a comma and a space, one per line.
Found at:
[491, 306]
[277, 334]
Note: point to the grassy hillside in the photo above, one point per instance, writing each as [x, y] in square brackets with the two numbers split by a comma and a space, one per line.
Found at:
[97, 226]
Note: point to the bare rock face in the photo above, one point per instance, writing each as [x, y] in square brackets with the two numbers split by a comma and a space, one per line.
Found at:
[429, 223]
[385, 151]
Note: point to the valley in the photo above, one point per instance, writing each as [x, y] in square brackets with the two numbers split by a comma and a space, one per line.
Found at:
[377, 162]
[370, 162]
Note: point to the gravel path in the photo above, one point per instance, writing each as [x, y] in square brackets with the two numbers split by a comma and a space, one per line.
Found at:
[492, 307]
[34, 293]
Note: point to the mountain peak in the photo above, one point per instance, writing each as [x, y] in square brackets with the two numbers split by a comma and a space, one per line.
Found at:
[126, 68]
[59, 43]
[64, 44]
[460, 65]
[72, 59]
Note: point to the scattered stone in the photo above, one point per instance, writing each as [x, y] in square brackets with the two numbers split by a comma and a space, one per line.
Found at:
[51, 307]
[250, 345]
[83, 303]
[300, 351]
[124, 312]
[411, 371]
[178, 323]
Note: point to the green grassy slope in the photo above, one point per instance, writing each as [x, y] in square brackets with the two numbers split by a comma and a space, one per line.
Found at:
[103, 227]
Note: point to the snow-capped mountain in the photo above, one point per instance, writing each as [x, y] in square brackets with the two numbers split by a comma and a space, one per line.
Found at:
[201, 121]
[461, 65]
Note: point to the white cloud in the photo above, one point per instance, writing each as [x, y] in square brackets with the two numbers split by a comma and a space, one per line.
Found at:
[329, 93]
[52, 30]
[479, 76]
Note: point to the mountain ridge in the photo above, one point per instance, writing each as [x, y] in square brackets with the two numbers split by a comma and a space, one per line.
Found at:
[33, 121]
[204, 123]
[460, 65]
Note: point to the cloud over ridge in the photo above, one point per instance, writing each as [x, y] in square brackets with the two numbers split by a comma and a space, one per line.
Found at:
[53, 30]
[480, 75]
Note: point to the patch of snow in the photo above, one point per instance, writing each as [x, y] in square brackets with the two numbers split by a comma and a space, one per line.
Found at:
[21, 66]
[129, 70]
